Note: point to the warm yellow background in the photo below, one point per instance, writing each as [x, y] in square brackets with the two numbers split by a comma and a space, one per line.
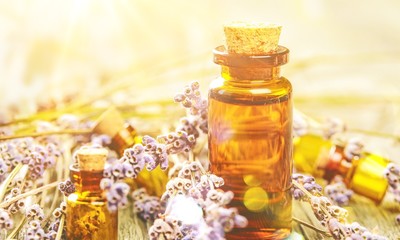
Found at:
[345, 55]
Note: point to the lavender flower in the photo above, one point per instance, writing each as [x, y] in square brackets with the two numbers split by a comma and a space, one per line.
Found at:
[331, 216]
[158, 153]
[147, 207]
[392, 174]
[197, 106]
[194, 189]
[116, 194]
[34, 231]
[177, 142]
[338, 192]
[67, 187]
[6, 221]
[350, 231]
[34, 212]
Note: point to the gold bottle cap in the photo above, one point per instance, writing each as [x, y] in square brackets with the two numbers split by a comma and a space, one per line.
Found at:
[110, 122]
[251, 38]
[91, 159]
[367, 176]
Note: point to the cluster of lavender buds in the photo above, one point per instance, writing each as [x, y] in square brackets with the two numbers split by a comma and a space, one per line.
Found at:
[154, 152]
[6, 221]
[29, 152]
[15, 206]
[331, 216]
[146, 206]
[34, 231]
[41, 158]
[55, 225]
[34, 212]
[21, 183]
[392, 174]
[352, 231]
[192, 181]
[306, 189]
[338, 192]
[308, 183]
[195, 190]
[150, 154]
[332, 126]
[192, 100]
[67, 187]
[177, 142]
[116, 194]
[35, 216]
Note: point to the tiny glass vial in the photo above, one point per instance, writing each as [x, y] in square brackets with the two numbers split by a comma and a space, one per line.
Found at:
[88, 217]
[364, 174]
[250, 133]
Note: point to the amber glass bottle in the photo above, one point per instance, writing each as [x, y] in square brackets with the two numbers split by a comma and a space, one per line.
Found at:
[250, 139]
[87, 215]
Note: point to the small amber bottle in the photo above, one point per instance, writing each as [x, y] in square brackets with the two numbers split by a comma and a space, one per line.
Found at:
[124, 135]
[88, 217]
[324, 158]
[250, 129]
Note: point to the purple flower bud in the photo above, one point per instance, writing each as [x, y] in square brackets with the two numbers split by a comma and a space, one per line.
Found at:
[128, 170]
[117, 171]
[298, 194]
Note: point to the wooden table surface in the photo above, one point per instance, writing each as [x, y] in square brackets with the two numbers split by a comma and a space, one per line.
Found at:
[379, 219]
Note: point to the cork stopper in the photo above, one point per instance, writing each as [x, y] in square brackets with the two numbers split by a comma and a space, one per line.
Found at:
[91, 159]
[250, 38]
[110, 122]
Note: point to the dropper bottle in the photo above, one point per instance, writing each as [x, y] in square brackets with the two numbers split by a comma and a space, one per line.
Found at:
[250, 128]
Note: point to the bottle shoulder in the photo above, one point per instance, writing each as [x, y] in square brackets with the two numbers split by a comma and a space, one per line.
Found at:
[279, 89]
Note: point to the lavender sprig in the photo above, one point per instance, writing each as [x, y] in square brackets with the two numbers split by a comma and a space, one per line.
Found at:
[195, 189]
[338, 192]
[331, 216]
[392, 174]
[192, 100]
[147, 207]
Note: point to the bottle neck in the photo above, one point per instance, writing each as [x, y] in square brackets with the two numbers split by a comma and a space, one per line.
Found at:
[250, 73]
[257, 67]
[87, 183]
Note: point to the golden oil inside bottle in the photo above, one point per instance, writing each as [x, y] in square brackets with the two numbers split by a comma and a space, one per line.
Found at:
[88, 215]
[250, 146]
